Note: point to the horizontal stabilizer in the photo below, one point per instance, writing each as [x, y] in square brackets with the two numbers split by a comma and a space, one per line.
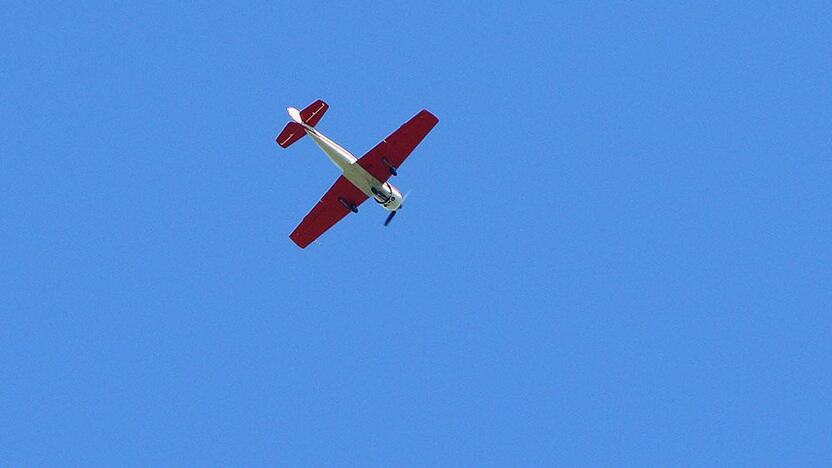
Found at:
[290, 134]
[313, 112]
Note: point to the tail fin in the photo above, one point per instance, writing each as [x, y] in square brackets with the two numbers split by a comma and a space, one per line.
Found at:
[310, 116]
[294, 114]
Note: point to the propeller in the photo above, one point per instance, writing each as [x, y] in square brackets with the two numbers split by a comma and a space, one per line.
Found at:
[393, 213]
[390, 217]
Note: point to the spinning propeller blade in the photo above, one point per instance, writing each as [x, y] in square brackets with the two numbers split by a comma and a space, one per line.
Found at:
[390, 217]
[393, 213]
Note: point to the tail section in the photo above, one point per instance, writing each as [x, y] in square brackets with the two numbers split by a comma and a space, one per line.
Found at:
[310, 116]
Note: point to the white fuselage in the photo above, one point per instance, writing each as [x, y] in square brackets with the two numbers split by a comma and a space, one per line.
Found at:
[385, 194]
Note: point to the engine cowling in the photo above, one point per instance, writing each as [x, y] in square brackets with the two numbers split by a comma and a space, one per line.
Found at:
[388, 196]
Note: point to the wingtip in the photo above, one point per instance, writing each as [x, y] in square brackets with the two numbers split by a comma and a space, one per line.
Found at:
[299, 242]
[426, 114]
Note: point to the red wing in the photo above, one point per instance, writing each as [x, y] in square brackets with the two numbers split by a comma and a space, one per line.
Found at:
[328, 211]
[393, 150]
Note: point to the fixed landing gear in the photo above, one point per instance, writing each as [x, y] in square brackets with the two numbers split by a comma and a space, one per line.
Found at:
[390, 166]
[349, 205]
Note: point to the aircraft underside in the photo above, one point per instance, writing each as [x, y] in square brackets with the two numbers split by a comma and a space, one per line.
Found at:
[363, 178]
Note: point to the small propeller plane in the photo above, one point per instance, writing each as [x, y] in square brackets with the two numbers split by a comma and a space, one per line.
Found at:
[362, 178]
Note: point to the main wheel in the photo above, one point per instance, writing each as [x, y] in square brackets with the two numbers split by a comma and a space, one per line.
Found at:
[349, 205]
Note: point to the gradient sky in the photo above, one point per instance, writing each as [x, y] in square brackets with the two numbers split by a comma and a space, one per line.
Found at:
[616, 252]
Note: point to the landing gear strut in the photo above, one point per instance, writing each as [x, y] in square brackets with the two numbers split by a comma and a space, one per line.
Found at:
[349, 205]
[390, 166]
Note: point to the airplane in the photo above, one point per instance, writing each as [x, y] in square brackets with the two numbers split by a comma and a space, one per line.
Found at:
[362, 178]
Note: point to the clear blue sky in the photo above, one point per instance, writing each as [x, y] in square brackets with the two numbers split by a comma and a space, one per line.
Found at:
[617, 250]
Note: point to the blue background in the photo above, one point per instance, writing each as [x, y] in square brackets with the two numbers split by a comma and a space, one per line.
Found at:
[617, 249]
